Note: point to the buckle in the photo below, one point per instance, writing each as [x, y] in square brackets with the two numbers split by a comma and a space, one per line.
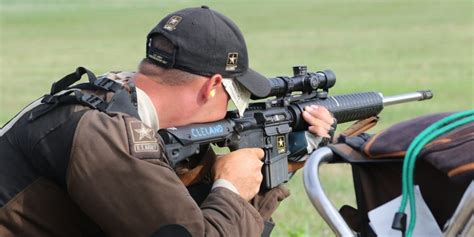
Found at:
[92, 100]
[105, 83]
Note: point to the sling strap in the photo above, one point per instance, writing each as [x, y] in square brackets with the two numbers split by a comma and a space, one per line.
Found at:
[62, 92]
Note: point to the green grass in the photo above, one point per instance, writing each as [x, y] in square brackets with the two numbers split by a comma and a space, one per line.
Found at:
[388, 46]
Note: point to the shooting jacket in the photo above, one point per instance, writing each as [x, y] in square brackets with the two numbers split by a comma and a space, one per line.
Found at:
[77, 171]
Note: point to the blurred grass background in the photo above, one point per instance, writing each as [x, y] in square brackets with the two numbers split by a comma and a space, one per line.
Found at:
[391, 47]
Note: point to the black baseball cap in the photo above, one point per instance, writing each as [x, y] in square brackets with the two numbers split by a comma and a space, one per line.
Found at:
[206, 43]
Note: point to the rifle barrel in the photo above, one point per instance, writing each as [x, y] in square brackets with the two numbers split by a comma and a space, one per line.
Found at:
[407, 97]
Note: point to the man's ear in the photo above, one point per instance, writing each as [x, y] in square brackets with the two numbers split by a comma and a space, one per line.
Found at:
[211, 87]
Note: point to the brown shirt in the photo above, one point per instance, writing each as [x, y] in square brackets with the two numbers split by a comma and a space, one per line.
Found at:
[82, 172]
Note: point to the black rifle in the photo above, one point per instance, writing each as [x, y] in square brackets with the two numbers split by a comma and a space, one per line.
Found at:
[276, 125]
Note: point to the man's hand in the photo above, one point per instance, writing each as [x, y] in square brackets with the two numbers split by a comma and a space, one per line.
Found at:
[267, 201]
[320, 122]
[243, 169]
[319, 119]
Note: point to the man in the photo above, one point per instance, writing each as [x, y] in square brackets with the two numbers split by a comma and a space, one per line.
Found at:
[83, 161]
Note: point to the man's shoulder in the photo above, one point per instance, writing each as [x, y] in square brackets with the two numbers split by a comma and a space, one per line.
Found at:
[119, 76]
[120, 128]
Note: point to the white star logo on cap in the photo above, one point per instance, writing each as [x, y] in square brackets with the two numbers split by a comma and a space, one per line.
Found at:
[231, 61]
[172, 23]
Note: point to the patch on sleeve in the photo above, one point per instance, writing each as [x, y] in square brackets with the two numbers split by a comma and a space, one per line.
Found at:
[142, 140]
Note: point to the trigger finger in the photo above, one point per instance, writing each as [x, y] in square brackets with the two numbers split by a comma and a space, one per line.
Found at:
[258, 152]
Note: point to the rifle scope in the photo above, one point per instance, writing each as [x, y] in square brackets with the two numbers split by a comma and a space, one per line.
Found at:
[303, 81]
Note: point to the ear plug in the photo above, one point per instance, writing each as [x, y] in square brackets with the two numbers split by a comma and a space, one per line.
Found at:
[212, 93]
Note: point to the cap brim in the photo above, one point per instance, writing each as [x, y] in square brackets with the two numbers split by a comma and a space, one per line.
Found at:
[258, 85]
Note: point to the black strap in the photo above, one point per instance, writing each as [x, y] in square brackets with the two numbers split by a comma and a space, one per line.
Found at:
[96, 83]
[91, 100]
[122, 101]
[171, 230]
[267, 228]
[70, 79]
[133, 93]
[53, 102]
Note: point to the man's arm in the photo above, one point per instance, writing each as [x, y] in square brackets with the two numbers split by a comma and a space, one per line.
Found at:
[118, 176]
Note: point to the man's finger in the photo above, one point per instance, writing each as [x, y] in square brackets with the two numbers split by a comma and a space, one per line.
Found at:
[320, 131]
[321, 113]
[313, 121]
[258, 152]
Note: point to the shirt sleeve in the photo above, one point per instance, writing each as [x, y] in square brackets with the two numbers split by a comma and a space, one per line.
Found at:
[118, 176]
[224, 183]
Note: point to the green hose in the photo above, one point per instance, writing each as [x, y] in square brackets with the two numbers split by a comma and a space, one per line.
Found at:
[432, 132]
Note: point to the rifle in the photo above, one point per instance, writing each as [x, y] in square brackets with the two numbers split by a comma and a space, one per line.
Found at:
[276, 125]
